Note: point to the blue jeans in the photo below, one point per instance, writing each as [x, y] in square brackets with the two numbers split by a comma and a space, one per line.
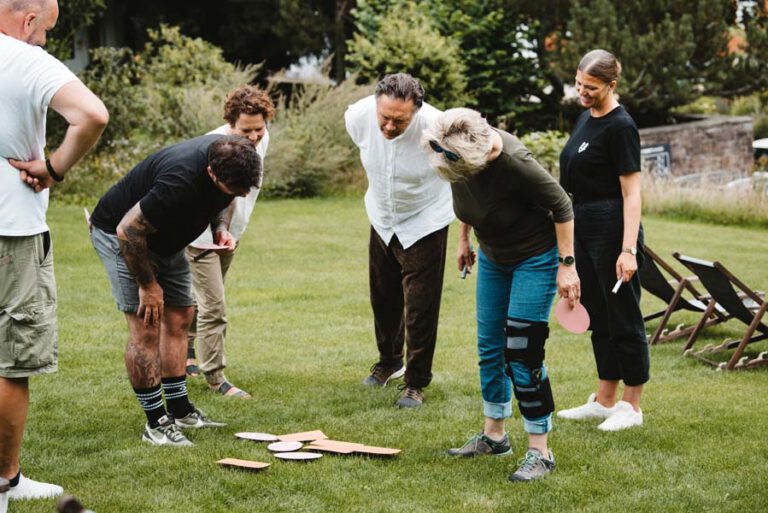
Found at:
[522, 291]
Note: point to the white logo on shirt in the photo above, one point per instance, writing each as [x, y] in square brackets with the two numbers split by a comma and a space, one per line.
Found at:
[583, 146]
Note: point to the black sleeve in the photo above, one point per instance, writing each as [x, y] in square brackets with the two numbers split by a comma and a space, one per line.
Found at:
[624, 149]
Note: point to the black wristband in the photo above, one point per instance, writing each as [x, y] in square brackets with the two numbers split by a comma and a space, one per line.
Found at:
[56, 176]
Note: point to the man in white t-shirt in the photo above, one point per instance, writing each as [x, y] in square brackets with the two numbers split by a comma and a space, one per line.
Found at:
[30, 81]
[409, 208]
[247, 111]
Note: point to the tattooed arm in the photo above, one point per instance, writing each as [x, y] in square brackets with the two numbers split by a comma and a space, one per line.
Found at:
[132, 235]
[220, 228]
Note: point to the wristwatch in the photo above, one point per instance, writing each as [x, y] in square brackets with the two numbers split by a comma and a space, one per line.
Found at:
[631, 250]
[566, 261]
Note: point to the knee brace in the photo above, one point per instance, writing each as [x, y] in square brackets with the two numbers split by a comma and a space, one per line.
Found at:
[525, 351]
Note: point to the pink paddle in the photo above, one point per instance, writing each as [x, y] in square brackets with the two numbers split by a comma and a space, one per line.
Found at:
[575, 320]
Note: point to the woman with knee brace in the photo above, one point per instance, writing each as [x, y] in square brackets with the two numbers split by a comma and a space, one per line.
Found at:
[523, 221]
[600, 167]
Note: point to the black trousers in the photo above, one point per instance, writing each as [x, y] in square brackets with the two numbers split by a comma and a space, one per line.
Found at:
[618, 331]
[406, 286]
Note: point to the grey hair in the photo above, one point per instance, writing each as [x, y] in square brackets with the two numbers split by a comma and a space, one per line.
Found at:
[464, 132]
[401, 86]
[601, 64]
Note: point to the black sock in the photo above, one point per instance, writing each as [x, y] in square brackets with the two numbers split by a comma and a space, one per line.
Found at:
[151, 401]
[191, 352]
[176, 398]
[14, 481]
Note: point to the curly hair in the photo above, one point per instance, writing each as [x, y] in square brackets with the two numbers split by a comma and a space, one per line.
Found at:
[248, 100]
[464, 132]
[234, 161]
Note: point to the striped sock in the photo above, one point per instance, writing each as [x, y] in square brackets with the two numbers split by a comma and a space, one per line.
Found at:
[176, 398]
[151, 401]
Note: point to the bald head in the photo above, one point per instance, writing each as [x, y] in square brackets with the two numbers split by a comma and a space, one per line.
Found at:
[28, 20]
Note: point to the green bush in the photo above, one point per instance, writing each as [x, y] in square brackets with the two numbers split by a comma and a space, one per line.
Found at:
[407, 41]
[546, 148]
[310, 151]
[755, 105]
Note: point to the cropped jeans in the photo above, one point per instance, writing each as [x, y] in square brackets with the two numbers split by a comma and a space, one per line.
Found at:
[522, 291]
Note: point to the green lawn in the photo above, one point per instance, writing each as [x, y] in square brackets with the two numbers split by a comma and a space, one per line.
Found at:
[300, 341]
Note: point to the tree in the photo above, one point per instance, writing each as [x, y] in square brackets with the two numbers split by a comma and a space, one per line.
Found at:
[74, 15]
[406, 41]
[672, 51]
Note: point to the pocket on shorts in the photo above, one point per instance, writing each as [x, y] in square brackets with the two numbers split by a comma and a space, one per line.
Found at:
[32, 335]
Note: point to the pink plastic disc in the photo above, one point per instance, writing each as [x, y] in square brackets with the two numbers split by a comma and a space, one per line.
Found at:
[575, 320]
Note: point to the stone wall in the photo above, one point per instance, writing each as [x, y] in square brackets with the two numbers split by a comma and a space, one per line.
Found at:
[712, 145]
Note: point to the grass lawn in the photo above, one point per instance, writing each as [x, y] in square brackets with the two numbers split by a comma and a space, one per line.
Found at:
[301, 339]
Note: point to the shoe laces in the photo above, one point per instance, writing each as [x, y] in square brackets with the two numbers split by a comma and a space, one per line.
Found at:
[528, 462]
[173, 432]
[473, 440]
[411, 392]
[378, 371]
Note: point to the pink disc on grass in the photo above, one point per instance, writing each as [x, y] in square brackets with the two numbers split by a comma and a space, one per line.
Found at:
[575, 320]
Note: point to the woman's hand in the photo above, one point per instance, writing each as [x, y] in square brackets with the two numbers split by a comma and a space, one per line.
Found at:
[568, 284]
[626, 266]
[465, 257]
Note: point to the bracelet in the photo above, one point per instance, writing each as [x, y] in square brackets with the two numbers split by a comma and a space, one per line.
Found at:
[56, 176]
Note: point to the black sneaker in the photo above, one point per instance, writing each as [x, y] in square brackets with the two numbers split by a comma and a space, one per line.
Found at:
[479, 444]
[381, 375]
[533, 466]
[410, 398]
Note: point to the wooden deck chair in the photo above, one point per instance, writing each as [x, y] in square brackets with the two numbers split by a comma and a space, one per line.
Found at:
[671, 292]
[745, 305]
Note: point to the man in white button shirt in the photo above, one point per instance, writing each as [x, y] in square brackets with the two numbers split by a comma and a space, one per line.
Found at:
[409, 208]
[247, 111]
[31, 80]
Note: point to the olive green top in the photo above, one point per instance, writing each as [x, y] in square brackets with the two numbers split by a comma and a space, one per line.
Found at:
[511, 204]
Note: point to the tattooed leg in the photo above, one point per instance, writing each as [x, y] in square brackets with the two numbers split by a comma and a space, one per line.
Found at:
[142, 354]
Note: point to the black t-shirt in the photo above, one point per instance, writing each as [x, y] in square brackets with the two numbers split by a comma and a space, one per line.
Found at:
[511, 205]
[175, 194]
[597, 153]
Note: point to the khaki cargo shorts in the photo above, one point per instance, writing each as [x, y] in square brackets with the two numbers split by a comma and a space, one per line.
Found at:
[28, 338]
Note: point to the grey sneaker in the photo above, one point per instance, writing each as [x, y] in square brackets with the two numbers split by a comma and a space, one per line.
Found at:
[410, 398]
[197, 419]
[533, 466]
[381, 375]
[165, 434]
[479, 444]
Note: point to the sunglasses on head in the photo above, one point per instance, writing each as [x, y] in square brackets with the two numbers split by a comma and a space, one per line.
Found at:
[448, 154]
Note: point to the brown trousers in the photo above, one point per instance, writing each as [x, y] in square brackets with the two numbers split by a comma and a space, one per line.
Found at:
[406, 286]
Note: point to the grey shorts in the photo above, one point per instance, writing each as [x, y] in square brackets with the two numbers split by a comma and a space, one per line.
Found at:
[172, 274]
[28, 338]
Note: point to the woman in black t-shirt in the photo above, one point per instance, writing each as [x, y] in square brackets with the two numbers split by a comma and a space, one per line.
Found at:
[600, 168]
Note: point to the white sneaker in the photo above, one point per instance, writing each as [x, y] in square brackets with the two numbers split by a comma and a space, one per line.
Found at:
[624, 417]
[31, 489]
[166, 433]
[591, 410]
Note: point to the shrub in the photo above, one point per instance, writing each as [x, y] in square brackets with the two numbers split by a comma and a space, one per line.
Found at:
[546, 148]
[310, 151]
[407, 41]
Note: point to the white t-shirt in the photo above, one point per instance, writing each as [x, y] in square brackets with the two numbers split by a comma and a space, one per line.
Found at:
[405, 196]
[29, 78]
[243, 206]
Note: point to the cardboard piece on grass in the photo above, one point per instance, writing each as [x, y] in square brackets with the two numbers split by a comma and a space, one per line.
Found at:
[306, 436]
[285, 446]
[298, 456]
[243, 464]
[257, 437]
[339, 447]
[335, 446]
[575, 320]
